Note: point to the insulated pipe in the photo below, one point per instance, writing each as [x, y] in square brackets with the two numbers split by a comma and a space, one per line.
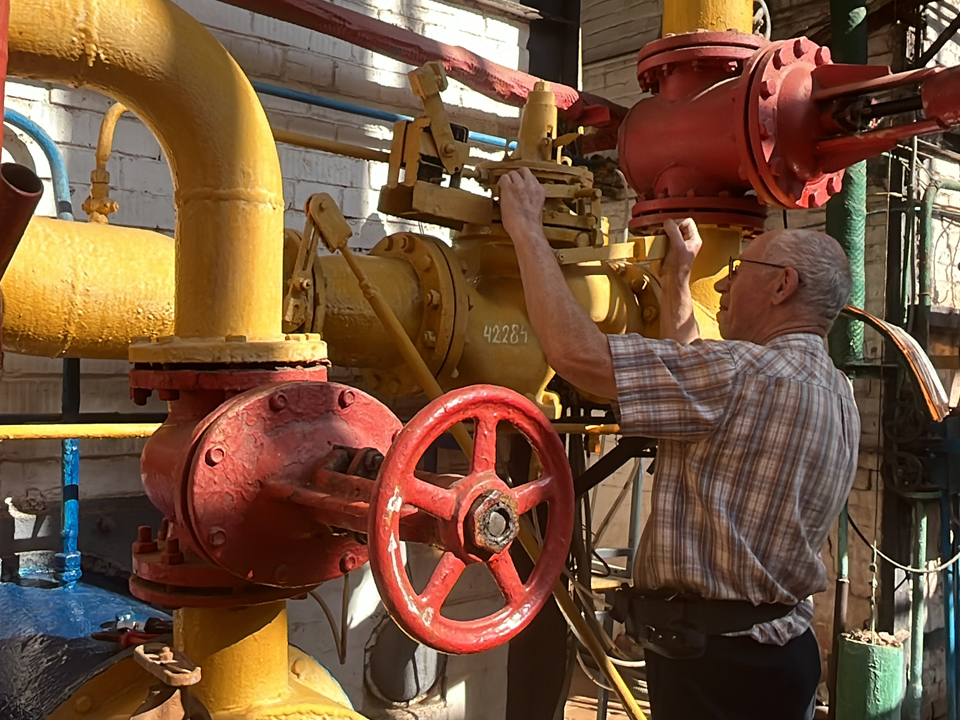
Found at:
[847, 211]
[4, 18]
[913, 700]
[20, 191]
[86, 290]
[683, 16]
[169, 70]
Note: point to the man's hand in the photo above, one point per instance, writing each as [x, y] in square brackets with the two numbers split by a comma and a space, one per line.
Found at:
[683, 245]
[521, 204]
[677, 321]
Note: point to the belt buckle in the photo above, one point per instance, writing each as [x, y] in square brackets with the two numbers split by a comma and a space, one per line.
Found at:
[675, 643]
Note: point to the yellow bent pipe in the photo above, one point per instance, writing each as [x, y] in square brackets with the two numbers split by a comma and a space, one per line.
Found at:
[168, 69]
[86, 290]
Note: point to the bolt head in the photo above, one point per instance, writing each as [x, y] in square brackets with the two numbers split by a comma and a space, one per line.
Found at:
[448, 150]
[430, 338]
[348, 563]
[218, 536]
[214, 456]
[346, 399]
[823, 56]
[768, 88]
[83, 704]
[492, 523]
[299, 667]
[278, 402]
[799, 48]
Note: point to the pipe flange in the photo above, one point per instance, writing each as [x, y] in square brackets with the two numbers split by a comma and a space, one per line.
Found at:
[232, 349]
[745, 213]
[724, 52]
[440, 337]
[782, 164]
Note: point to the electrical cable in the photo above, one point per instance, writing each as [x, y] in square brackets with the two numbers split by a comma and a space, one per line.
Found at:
[905, 568]
[339, 636]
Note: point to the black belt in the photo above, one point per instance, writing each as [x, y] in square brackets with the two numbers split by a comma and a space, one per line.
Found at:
[677, 626]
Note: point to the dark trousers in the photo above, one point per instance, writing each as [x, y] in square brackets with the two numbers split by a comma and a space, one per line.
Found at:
[737, 679]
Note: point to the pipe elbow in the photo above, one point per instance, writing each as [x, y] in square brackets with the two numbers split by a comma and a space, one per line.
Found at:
[169, 70]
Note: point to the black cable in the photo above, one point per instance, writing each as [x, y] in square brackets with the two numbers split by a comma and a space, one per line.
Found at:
[905, 568]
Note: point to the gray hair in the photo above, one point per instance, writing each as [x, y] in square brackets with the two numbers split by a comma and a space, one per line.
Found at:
[822, 266]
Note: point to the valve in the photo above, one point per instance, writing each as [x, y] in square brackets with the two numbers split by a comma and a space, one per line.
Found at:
[478, 518]
[736, 123]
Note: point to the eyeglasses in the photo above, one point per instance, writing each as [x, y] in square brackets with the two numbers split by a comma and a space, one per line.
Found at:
[735, 263]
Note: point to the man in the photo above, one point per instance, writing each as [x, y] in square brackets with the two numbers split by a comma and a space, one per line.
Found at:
[758, 448]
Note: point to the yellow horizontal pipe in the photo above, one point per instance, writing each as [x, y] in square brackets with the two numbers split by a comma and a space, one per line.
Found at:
[86, 290]
[330, 146]
[169, 70]
[64, 431]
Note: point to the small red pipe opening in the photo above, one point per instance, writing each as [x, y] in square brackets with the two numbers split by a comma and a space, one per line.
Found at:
[20, 191]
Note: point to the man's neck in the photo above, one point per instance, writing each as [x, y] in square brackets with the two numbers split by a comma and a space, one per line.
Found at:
[793, 328]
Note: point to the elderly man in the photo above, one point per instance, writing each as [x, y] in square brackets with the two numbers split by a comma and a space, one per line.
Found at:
[758, 448]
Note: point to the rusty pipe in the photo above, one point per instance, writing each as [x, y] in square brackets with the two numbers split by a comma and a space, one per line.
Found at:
[168, 69]
[20, 191]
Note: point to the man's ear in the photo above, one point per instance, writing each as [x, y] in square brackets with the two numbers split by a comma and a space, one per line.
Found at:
[786, 286]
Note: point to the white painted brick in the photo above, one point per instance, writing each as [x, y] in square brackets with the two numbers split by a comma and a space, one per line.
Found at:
[279, 32]
[148, 176]
[82, 99]
[331, 47]
[309, 68]
[138, 209]
[257, 59]
[132, 137]
[26, 90]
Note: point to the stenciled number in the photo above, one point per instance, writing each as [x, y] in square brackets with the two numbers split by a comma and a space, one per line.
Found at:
[514, 334]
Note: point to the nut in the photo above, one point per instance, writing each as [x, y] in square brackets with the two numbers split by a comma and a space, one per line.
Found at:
[171, 553]
[145, 542]
[83, 704]
[493, 522]
[218, 536]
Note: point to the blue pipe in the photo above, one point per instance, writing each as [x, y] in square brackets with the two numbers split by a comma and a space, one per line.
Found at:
[949, 579]
[58, 169]
[66, 563]
[361, 110]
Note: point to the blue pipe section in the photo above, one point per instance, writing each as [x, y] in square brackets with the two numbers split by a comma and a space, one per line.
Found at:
[58, 169]
[949, 580]
[66, 563]
[360, 110]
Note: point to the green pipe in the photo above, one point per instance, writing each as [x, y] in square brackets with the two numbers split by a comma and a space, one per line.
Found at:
[925, 259]
[870, 680]
[847, 211]
[918, 615]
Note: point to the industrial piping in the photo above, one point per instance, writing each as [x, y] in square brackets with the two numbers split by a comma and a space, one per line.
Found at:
[213, 130]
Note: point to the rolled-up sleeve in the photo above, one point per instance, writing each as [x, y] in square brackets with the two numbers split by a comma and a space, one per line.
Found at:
[672, 391]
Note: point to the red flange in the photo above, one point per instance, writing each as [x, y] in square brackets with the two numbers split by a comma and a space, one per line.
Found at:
[478, 515]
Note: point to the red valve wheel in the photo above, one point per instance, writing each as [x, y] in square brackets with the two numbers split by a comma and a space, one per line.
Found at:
[478, 517]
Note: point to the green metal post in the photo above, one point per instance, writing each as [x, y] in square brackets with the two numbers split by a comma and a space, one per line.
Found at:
[918, 615]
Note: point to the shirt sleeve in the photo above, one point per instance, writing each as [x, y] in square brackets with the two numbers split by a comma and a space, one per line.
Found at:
[672, 391]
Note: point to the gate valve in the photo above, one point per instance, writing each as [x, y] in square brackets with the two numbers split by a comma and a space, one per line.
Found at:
[733, 115]
[478, 517]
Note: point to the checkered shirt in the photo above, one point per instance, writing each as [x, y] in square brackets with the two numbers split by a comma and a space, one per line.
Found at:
[757, 453]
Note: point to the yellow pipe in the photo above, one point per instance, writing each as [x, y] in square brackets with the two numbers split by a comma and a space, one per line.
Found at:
[99, 205]
[168, 69]
[330, 146]
[242, 653]
[65, 431]
[683, 16]
[86, 290]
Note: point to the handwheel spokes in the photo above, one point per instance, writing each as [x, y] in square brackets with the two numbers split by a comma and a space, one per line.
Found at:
[505, 574]
[433, 499]
[484, 445]
[531, 494]
[441, 583]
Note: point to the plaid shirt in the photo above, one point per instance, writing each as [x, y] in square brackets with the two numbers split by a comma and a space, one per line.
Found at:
[758, 449]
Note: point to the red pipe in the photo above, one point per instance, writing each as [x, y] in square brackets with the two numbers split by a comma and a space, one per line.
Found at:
[486, 77]
[20, 191]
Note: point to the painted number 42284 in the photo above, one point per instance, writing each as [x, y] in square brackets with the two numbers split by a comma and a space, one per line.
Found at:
[505, 334]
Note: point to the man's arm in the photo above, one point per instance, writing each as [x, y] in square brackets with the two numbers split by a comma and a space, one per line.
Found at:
[571, 341]
[677, 321]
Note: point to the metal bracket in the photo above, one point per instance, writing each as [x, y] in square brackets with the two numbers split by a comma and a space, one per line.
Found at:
[427, 82]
